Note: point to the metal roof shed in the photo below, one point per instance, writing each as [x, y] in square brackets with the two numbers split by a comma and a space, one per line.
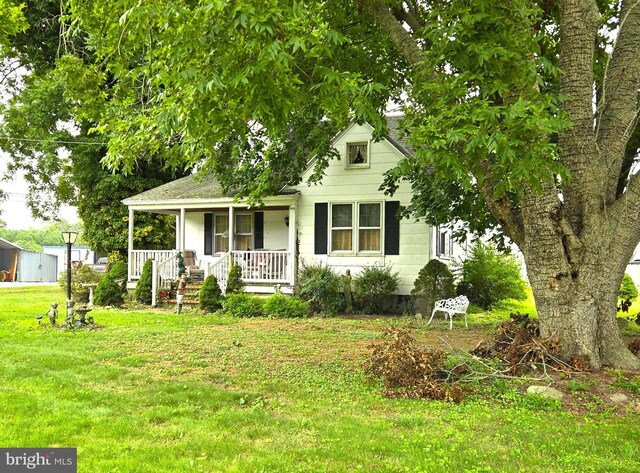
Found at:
[17, 264]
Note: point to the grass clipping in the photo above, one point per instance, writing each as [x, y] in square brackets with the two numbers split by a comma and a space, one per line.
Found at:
[410, 370]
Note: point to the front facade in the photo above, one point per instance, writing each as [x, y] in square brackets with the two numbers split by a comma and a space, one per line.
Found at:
[346, 222]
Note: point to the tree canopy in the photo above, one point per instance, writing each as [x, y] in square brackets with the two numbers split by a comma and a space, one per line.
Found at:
[523, 116]
[48, 136]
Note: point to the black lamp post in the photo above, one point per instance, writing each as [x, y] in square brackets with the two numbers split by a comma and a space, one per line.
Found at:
[69, 239]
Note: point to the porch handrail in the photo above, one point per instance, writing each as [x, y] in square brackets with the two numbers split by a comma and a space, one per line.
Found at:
[219, 269]
[162, 271]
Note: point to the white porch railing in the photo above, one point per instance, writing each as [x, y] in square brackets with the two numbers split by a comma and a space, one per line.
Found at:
[138, 258]
[264, 266]
[258, 267]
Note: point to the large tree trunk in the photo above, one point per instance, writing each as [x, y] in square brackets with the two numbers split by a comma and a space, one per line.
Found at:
[575, 282]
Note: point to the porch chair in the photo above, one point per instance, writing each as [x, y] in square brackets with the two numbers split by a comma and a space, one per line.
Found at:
[457, 305]
[193, 270]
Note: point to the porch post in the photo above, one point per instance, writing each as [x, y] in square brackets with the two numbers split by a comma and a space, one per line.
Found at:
[232, 230]
[130, 245]
[178, 220]
[232, 237]
[182, 229]
[291, 263]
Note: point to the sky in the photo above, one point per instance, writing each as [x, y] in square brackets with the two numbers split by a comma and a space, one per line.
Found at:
[14, 210]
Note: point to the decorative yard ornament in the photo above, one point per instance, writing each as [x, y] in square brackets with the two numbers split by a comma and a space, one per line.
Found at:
[181, 267]
[180, 296]
[52, 313]
[71, 314]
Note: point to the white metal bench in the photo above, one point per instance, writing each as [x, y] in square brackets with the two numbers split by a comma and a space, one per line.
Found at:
[458, 305]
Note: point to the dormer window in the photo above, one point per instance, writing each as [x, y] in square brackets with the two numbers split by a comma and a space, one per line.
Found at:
[358, 155]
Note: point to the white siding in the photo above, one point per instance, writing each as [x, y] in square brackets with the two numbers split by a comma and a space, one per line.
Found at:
[361, 184]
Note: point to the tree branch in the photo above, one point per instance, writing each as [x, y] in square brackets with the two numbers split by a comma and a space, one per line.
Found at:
[401, 38]
[618, 108]
[579, 20]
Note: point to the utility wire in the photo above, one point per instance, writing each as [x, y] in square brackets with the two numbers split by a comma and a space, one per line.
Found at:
[13, 138]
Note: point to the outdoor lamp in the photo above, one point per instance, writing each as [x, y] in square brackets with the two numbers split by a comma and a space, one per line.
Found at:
[69, 238]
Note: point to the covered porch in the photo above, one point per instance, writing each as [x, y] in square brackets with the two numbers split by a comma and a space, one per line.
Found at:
[215, 231]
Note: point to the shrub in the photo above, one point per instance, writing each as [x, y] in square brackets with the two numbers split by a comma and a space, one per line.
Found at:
[434, 282]
[489, 277]
[374, 289]
[142, 293]
[108, 292]
[210, 295]
[234, 280]
[320, 286]
[242, 305]
[80, 276]
[628, 289]
[119, 270]
[279, 305]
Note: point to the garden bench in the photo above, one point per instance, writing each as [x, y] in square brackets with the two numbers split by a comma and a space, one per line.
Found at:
[457, 305]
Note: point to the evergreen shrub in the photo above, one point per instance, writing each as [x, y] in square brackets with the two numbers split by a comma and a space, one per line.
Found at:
[210, 296]
[374, 289]
[142, 293]
[119, 270]
[108, 292]
[234, 280]
[434, 282]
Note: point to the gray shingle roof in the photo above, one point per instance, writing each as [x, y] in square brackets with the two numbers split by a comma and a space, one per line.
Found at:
[397, 135]
[189, 188]
[182, 189]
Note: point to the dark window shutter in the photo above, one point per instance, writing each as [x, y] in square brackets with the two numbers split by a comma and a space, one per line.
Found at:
[208, 234]
[258, 237]
[321, 220]
[391, 228]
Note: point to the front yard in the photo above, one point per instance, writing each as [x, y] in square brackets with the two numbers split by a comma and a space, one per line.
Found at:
[155, 391]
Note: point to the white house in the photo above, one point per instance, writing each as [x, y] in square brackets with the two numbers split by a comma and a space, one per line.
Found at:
[345, 222]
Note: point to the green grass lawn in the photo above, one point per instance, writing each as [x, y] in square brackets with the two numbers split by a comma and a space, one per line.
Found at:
[153, 391]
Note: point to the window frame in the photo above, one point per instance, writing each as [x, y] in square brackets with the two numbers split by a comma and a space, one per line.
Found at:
[367, 157]
[443, 238]
[355, 229]
[225, 215]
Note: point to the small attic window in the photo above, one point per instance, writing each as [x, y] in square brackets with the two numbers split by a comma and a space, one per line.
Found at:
[358, 155]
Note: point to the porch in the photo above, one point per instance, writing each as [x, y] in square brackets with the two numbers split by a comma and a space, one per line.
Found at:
[221, 231]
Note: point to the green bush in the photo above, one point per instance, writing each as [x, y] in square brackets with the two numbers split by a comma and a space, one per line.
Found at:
[628, 289]
[320, 286]
[108, 292]
[489, 277]
[119, 270]
[242, 305]
[210, 295]
[434, 282]
[142, 293]
[80, 276]
[374, 289]
[234, 280]
[280, 305]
